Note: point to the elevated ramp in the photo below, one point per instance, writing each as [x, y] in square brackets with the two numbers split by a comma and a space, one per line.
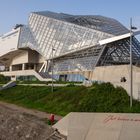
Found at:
[8, 85]
[26, 73]
[100, 126]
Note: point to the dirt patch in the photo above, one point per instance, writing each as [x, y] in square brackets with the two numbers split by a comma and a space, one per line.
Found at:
[15, 125]
[38, 114]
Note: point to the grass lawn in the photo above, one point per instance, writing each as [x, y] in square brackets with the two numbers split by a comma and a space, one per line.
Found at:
[98, 98]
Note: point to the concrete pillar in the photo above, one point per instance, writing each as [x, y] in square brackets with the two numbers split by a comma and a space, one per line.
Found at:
[10, 68]
[13, 78]
[35, 67]
[23, 66]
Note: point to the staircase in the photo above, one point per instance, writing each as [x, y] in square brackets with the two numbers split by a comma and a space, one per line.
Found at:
[56, 136]
[44, 75]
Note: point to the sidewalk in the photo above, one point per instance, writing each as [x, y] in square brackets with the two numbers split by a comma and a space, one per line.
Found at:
[55, 85]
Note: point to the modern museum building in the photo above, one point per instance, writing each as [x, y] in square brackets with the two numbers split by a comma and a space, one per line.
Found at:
[71, 48]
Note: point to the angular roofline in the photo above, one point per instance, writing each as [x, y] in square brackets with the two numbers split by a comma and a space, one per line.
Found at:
[116, 38]
[69, 18]
[76, 24]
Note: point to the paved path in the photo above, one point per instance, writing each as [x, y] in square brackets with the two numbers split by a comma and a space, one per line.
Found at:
[55, 85]
[39, 114]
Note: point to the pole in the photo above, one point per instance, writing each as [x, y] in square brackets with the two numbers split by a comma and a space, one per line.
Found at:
[131, 67]
[52, 70]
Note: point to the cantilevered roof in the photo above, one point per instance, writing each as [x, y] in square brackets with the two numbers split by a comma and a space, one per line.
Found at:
[116, 38]
[97, 22]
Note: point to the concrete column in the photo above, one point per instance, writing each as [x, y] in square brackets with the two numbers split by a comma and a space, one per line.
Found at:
[23, 66]
[13, 78]
[10, 68]
[35, 67]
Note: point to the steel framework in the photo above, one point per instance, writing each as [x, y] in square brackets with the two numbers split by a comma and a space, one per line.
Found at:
[76, 41]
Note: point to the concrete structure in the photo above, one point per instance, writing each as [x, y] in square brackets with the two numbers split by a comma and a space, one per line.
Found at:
[114, 74]
[8, 85]
[100, 126]
[18, 61]
[70, 48]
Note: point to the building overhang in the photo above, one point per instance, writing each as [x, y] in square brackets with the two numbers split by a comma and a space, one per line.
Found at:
[9, 42]
[7, 58]
[116, 38]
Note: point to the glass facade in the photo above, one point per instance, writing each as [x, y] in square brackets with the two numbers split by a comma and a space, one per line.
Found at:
[70, 77]
[74, 41]
[97, 22]
[45, 33]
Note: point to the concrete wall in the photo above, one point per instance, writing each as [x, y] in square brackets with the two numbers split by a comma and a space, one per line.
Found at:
[110, 73]
[27, 56]
[33, 56]
[9, 42]
[113, 74]
[22, 57]
[40, 59]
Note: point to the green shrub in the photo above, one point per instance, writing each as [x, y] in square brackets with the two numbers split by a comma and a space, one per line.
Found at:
[4, 79]
[97, 98]
[71, 85]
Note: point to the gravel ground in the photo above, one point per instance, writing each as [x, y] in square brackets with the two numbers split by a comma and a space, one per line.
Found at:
[15, 125]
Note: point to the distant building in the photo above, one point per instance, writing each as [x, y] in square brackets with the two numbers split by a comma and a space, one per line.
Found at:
[75, 47]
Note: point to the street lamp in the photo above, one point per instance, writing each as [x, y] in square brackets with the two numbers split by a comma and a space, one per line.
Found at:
[52, 68]
[131, 63]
